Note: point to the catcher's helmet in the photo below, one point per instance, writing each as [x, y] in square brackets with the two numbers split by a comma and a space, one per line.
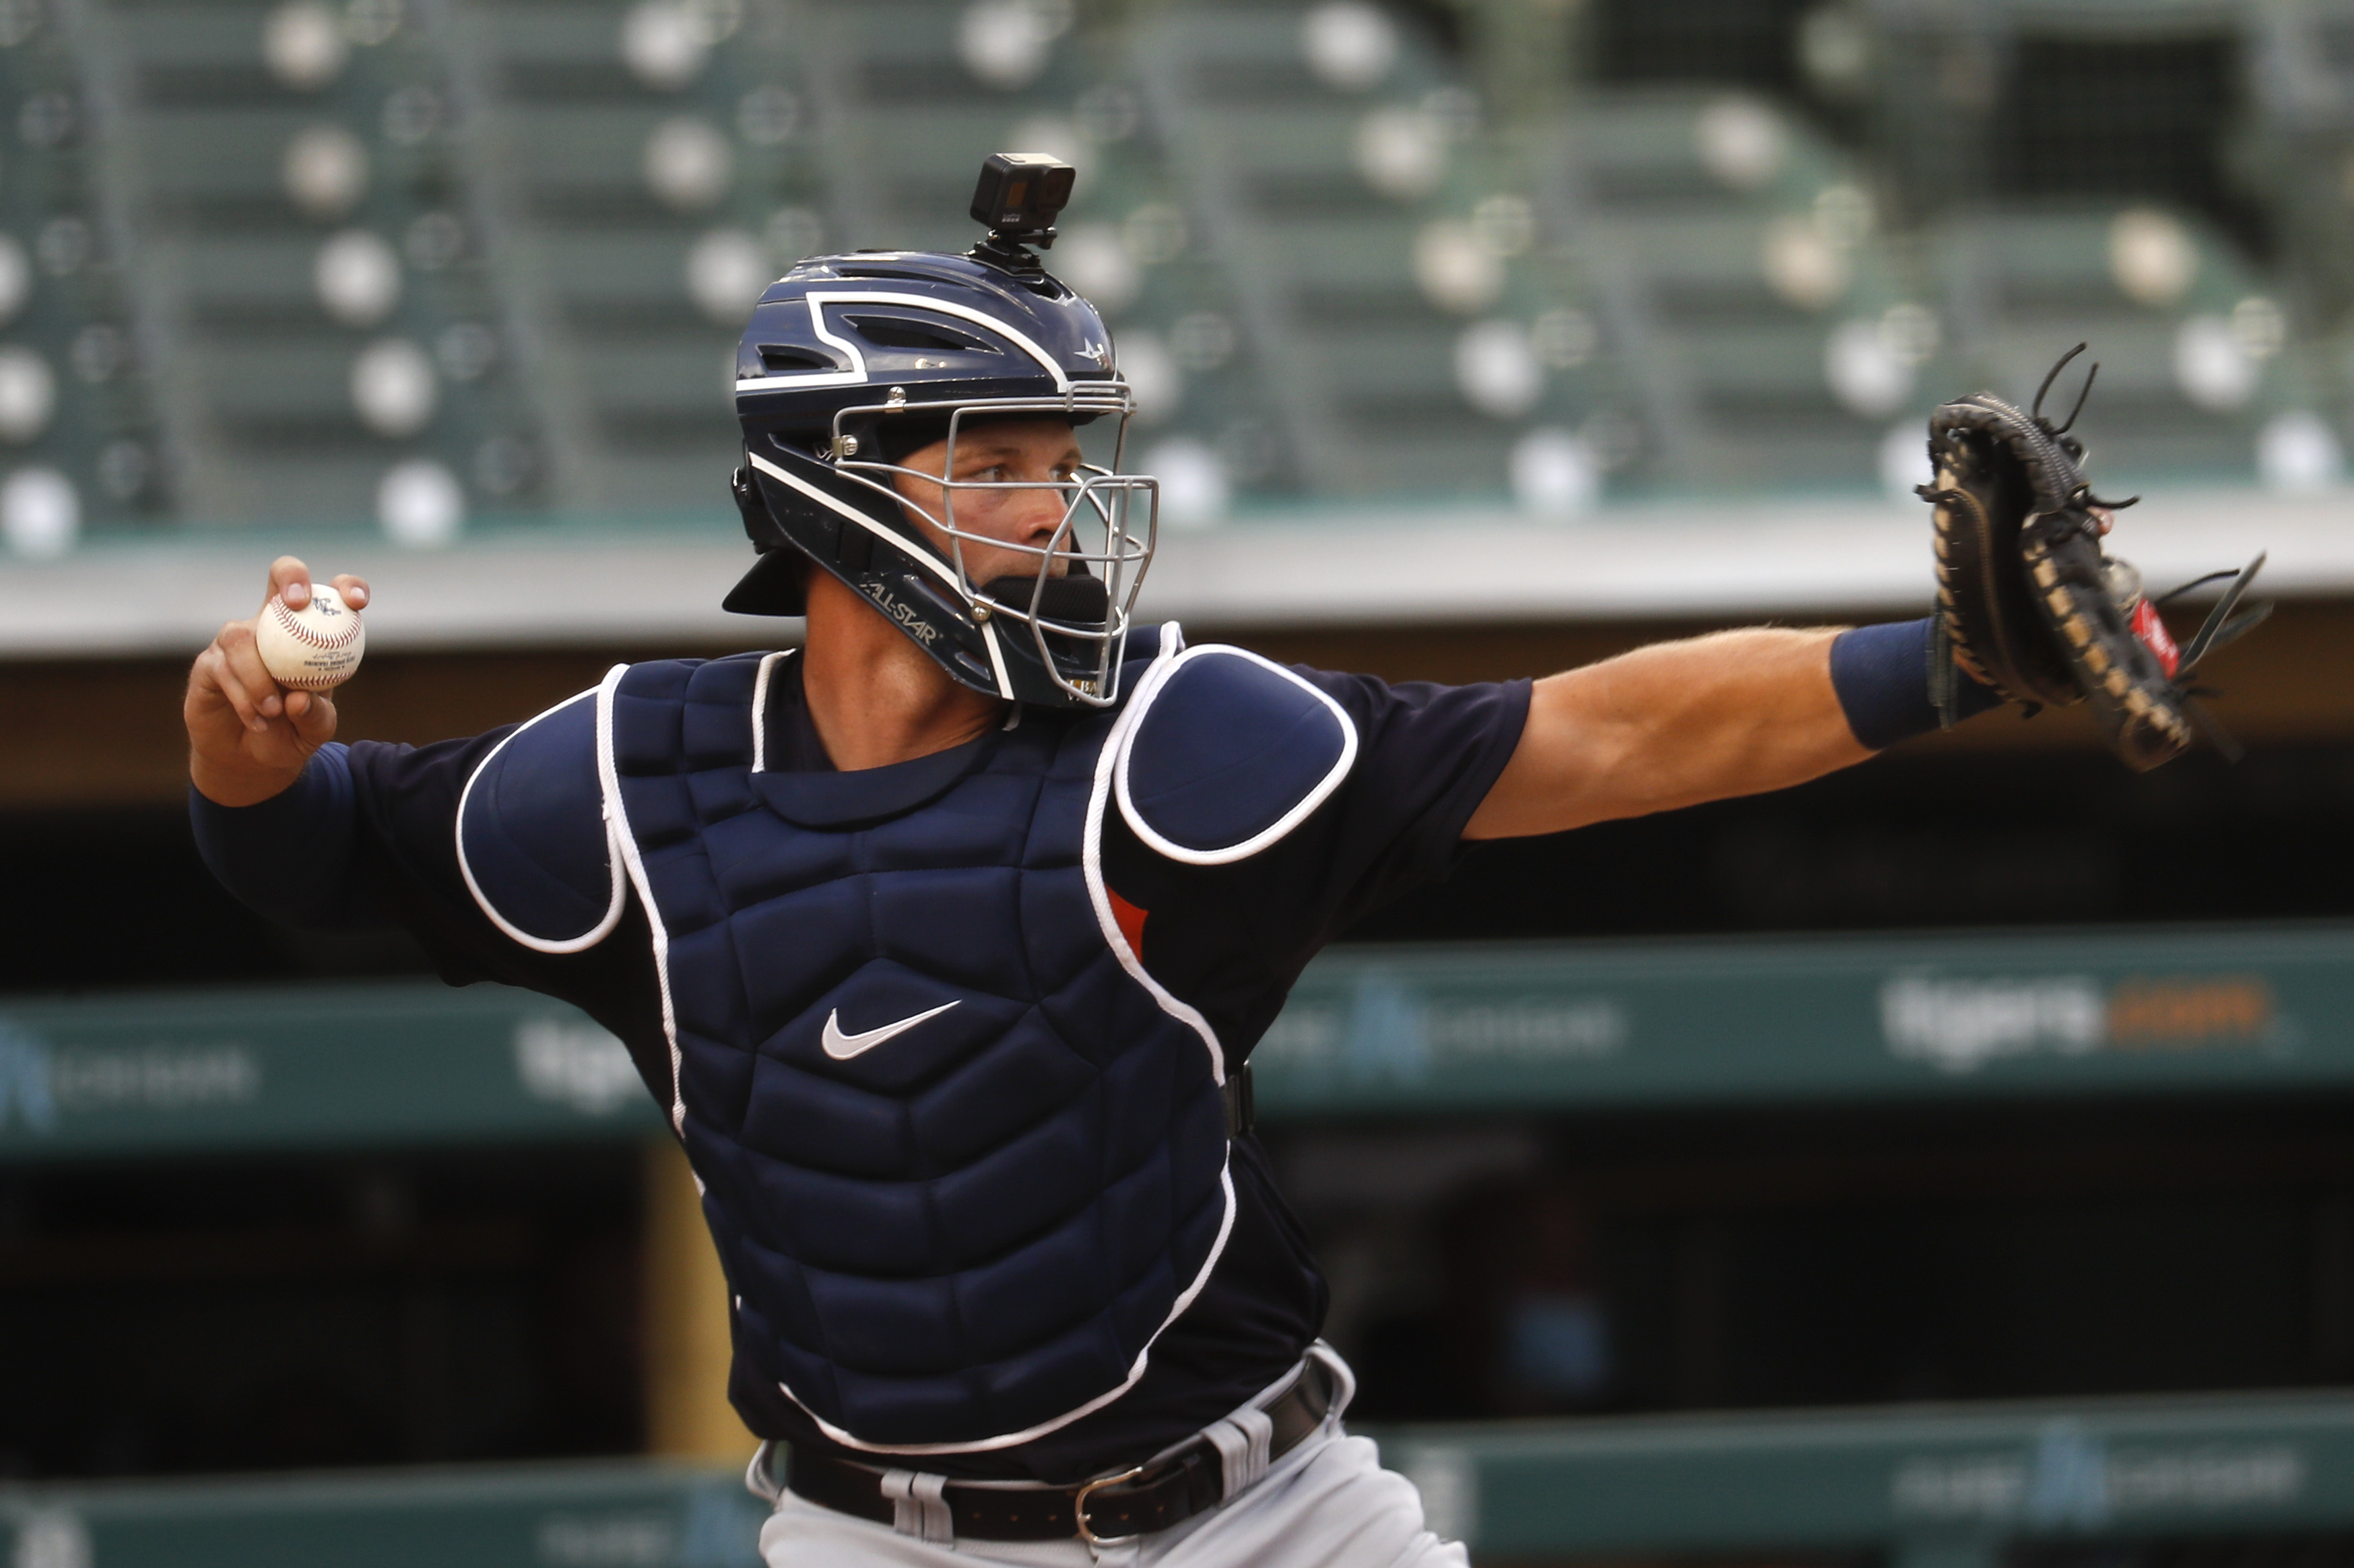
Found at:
[853, 362]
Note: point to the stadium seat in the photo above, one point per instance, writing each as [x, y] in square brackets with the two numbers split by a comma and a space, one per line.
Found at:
[83, 443]
[2196, 358]
[486, 259]
[1760, 310]
[1338, 177]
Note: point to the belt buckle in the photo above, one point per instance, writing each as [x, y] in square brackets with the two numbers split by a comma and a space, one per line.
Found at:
[1079, 1507]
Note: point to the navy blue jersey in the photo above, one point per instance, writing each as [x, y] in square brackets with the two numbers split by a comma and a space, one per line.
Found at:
[1225, 936]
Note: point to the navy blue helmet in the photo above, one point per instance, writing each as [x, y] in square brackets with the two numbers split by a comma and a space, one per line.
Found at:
[852, 363]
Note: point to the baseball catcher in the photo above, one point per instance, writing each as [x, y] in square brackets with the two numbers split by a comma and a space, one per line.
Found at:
[943, 939]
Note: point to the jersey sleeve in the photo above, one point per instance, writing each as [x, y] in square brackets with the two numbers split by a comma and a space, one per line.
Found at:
[1427, 756]
[408, 798]
[290, 857]
[375, 835]
[490, 848]
[406, 844]
[1230, 935]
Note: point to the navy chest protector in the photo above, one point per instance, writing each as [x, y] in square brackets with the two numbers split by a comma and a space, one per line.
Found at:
[964, 1159]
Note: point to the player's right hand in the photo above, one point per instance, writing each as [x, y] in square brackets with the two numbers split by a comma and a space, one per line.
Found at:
[249, 738]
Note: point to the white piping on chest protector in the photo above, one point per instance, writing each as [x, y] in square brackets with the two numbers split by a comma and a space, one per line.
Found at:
[612, 916]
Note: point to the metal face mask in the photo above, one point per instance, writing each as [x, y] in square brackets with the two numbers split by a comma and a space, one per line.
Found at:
[1070, 594]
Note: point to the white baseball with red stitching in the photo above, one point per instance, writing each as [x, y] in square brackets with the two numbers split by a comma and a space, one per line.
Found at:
[313, 648]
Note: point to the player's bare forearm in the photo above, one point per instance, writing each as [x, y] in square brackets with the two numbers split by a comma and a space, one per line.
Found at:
[1734, 713]
[249, 739]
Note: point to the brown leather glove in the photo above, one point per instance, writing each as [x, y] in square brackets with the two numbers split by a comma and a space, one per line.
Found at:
[2030, 602]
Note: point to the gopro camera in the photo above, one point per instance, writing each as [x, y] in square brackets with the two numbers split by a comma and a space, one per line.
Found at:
[1019, 198]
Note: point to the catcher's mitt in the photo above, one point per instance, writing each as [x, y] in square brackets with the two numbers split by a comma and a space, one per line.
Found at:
[2028, 603]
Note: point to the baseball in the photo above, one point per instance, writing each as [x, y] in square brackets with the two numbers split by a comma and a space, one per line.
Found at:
[313, 648]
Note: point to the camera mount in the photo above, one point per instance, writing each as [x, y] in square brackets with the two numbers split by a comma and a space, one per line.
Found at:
[1018, 196]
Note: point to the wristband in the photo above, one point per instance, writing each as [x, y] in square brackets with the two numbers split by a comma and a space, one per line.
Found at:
[1881, 676]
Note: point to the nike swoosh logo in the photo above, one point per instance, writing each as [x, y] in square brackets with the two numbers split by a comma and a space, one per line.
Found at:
[842, 1047]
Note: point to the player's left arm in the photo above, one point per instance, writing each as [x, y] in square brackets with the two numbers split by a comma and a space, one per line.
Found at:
[1734, 713]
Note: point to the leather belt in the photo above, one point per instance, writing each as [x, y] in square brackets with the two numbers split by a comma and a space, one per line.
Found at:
[1109, 1508]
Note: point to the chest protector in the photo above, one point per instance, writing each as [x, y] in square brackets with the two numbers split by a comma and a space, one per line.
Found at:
[962, 1159]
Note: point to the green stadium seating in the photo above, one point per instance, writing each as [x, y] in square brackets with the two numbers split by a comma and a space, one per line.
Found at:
[323, 308]
[81, 442]
[1737, 367]
[2023, 286]
[1342, 281]
[1359, 360]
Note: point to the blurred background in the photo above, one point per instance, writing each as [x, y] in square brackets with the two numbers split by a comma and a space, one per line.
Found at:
[1946, 1165]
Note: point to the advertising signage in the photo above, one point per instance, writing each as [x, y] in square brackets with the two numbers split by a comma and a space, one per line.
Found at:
[1475, 1029]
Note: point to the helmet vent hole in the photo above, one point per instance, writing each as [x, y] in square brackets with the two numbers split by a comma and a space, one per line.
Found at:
[777, 360]
[908, 332]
